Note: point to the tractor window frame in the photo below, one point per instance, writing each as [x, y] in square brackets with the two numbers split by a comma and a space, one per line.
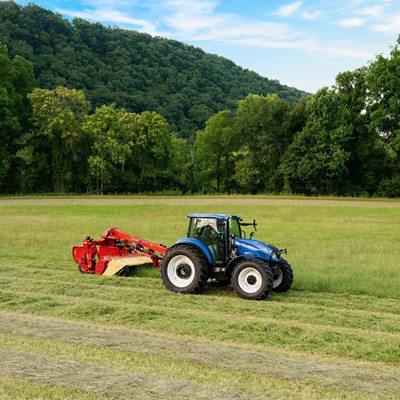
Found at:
[192, 226]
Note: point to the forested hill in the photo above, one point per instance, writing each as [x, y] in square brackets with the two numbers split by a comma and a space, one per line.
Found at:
[134, 70]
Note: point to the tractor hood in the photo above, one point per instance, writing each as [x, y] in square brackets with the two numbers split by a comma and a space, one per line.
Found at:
[250, 248]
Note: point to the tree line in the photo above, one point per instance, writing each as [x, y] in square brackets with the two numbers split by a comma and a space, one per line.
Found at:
[343, 140]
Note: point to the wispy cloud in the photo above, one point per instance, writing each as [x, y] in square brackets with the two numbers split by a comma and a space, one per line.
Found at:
[109, 15]
[373, 11]
[390, 25]
[289, 9]
[189, 17]
[311, 15]
[351, 22]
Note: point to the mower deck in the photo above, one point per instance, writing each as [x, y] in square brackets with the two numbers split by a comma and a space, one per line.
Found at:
[117, 263]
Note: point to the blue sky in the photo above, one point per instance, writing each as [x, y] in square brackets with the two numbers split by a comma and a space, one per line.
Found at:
[303, 43]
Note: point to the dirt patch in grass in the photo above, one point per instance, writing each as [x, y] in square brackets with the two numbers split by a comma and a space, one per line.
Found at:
[122, 384]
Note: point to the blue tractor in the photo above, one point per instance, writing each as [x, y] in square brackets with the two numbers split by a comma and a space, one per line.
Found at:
[216, 249]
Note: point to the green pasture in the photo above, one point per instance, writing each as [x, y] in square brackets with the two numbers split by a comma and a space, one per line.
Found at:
[338, 246]
[334, 335]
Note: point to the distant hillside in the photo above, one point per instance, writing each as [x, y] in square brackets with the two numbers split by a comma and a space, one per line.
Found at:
[134, 70]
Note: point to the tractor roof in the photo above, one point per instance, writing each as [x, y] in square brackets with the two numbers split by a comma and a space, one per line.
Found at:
[216, 216]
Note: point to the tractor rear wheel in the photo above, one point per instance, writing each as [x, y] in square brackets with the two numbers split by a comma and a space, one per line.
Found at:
[184, 269]
[283, 277]
[252, 279]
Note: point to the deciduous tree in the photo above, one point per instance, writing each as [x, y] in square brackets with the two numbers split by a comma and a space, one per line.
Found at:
[215, 153]
[58, 115]
[262, 122]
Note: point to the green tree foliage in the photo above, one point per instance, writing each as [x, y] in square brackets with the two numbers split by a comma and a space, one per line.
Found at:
[315, 162]
[216, 148]
[383, 80]
[58, 116]
[16, 80]
[263, 124]
[135, 71]
[111, 134]
[180, 171]
[336, 152]
[133, 152]
[370, 156]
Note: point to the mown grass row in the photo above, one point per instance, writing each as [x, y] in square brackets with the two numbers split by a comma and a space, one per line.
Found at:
[145, 304]
[354, 312]
[252, 383]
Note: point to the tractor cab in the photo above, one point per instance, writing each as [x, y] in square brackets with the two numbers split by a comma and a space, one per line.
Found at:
[215, 231]
[211, 231]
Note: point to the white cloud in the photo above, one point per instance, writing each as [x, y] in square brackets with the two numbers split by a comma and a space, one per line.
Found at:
[343, 51]
[289, 9]
[390, 26]
[372, 11]
[351, 22]
[311, 16]
[113, 17]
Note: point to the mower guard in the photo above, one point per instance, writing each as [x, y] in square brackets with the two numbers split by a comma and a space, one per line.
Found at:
[117, 263]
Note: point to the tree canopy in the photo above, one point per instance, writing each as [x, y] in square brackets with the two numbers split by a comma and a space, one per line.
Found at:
[134, 70]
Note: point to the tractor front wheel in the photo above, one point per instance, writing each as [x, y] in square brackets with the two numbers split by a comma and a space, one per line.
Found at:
[283, 277]
[184, 270]
[252, 279]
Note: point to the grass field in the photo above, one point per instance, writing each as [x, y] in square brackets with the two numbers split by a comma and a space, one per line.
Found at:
[66, 335]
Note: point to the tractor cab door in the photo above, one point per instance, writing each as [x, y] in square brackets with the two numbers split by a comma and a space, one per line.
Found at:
[211, 232]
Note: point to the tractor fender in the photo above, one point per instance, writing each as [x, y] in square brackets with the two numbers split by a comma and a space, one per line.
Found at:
[199, 245]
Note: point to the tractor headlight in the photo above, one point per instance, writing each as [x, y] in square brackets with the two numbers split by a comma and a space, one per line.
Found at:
[275, 256]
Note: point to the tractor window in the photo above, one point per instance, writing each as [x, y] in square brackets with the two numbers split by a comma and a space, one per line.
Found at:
[205, 224]
[198, 225]
[234, 227]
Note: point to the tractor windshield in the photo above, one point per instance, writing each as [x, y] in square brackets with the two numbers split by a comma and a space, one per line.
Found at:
[234, 227]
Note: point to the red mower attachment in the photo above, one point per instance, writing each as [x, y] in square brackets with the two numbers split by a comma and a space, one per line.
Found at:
[116, 252]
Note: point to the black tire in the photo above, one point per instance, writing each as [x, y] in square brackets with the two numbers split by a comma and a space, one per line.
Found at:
[283, 277]
[184, 270]
[81, 270]
[252, 279]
